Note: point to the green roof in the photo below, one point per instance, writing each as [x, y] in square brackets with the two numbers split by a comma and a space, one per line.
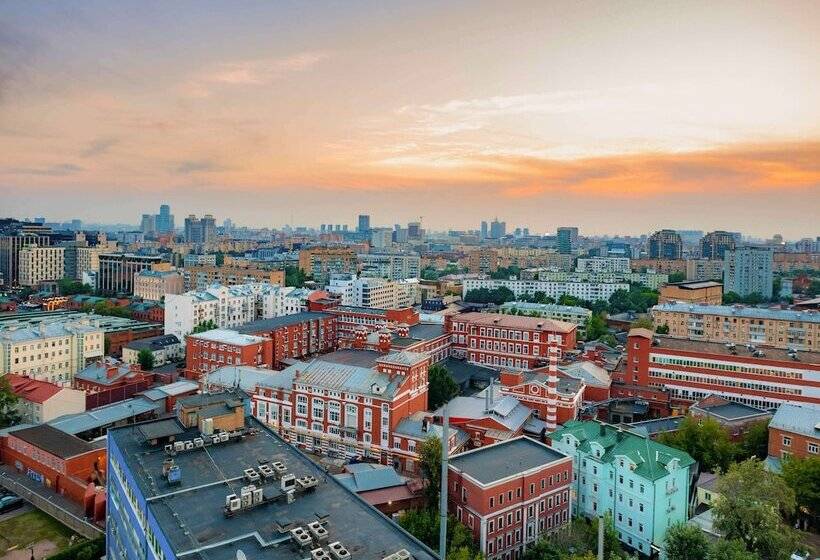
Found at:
[650, 456]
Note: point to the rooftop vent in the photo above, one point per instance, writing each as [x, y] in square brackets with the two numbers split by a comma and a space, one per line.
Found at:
[338, 551]
[401, 554]
[319, 554]
[317, 530]
[301, 536]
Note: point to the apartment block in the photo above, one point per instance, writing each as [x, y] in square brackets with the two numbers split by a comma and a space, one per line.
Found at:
[153, 285]
[482, 261]
[510, 494]
[578, 316]
[702, 270]
[296, 336]
[391, 266]
[50, 351]
[660, 266]
[374, 292]
[665, 244]
[201, 277]
[210, 350]
[321, 262]
[584, 290]
[794, 431]
[643, 485]
[603, 264]
[117, 270]
[777, 328]
[10, 246]
[649, 279]
[748, 270]
[38, 264]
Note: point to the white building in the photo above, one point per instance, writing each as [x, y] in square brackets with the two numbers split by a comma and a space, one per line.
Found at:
[41, 401]
[648, 279]
[192, 259]
[392, 266]
[589, 291]
[375, 292]
[41, 263]
[165, 348]
[603, 264]
[50, 351]
[230, 306]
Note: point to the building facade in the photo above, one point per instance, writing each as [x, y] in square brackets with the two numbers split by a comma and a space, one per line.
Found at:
[507, 340]
[794, 431]
[321, 262]
[153, 285]
[578, 316]
[702, 292]
[210, 350]
[41, 401]
[778, 328]
[391, 266]
[201, 277]
[117, 271]
[603, 264]
[714, 245]
[38, 264]
[748, 270]
[701, 270]
[10, 246]
[665, 244]
[296, 336]
[583, 290]
[374, 292]
[510, 494]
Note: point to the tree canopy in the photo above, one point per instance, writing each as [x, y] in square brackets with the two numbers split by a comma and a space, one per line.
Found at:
[685, 542]
[146, 359]
[430, 461]
[442, 387]
[9, 414]
[208, 325]
[705, 440]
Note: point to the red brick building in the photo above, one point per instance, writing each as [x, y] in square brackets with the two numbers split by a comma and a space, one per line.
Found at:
[794, 432]
[691, 370]
[62, 462]
[348, 318]
[507, 340]
[216, 348]
[296, 336]
[510, 494]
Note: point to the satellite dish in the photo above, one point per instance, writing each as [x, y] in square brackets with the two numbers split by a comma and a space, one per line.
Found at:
[240, 555]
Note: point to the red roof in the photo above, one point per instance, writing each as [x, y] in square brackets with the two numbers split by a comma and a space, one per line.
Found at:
[31, 389]
[515, 321]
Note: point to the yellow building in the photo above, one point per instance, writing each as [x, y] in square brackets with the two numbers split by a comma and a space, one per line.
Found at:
[710, 293]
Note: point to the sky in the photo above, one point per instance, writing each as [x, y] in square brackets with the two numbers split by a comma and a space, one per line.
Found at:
[616, 117]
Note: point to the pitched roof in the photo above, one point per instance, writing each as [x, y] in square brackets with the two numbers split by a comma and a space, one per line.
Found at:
[650, 457]
[31, 389]
[54, 441]
[515, 321]
[798, 419]
[363, 477]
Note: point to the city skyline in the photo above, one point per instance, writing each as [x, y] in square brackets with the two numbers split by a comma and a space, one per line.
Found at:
[630, 119]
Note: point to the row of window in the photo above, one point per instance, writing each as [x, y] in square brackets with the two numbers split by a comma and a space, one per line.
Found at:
[724, 382]
[725, 366]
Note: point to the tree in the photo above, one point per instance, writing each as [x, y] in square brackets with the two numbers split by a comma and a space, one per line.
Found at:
[751, 507]
[295, 276]
[685, 542]
[430, 463]
[146, 359]
[723, 549]
[596, 326]
[424, 525]
[662, 329]
[219, 258]
[441, 387]
[642, 323]
[705, 440]
[208, 325]
[803, 477]
[676, 277]
[9, 414]
[69, 287]
[755, 442]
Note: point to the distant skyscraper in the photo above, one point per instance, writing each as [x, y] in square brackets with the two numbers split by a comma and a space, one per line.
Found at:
[414, 230]
[164, 220]
[498, 229]
[715, 244]
[484, 230]
[227, 226]
[149, 224]
[567, 240]
[364, 223]
[665, 244]
[76, 225]
[748, 270]
[200, 230]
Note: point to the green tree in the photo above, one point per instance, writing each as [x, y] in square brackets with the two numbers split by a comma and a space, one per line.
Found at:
[208, 325]
[430, 463]
[705, 440]
[723, 549]
[685, 542]
[295, 276]
[441, 387]
[662, 329]
[676, 277]
[220, 258]
[643, 323]
[596, 326]
[9, 414]
[755, 442]
[424, 525]
[751, 507]
[69, 287]
[146, 359]
[803, 477]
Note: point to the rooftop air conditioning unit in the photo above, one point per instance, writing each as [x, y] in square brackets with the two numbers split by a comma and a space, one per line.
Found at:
[266, 471]
[251, 475]
[301, 536]
[189, 445]
[307, 481]
[214, 439]
[235, 505]
[247, 497]
[258, 497]
[223, 437]
[288, 482]
[169, 448]
[338, 551]
[179, 445]
[229, 498]
[199, 442]
[402, 554]
[317, 530]
[279, 467]
[319, 554]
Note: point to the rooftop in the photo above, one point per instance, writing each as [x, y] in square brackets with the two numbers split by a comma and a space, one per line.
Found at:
[509, 458]
[402, 358]
[153, 343]
[515, 322]
[728, 411]
[363, 477]
[263, 325]
[105, 416]
[546, 308]
[98, 372]
[191, 514]
[740, 311]
[697, 285]
[507, 411]
[798, 419]
[362, 310]
[31, 389]
[742, 352]
[227, 336]
[54, 441]
[651, 458]
[350, 357]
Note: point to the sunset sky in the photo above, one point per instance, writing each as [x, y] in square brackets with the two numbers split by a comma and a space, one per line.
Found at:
[617, 117]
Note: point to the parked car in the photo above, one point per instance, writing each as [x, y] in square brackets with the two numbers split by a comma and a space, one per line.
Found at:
[9, 503]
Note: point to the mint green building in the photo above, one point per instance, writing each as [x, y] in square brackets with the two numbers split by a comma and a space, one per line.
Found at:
[642, 484]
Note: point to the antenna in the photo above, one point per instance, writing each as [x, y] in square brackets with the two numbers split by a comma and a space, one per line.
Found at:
[445, 448]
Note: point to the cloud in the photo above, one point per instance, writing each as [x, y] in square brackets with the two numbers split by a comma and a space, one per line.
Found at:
[99, 146]
[17, 50]
[57, 170]
[195, 166]
[249, 73]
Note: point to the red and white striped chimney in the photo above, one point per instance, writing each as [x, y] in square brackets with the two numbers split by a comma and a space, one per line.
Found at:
[552, 388]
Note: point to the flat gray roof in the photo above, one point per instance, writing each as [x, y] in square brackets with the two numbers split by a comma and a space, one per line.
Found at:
[508, 458]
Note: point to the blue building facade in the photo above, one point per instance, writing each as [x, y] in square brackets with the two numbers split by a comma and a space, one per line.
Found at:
[641, 484]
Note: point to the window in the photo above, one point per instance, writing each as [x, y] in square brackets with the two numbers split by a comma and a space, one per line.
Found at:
[787, 441]
[318, 411]
[301, 405]
[812, 447]
[334, 412]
